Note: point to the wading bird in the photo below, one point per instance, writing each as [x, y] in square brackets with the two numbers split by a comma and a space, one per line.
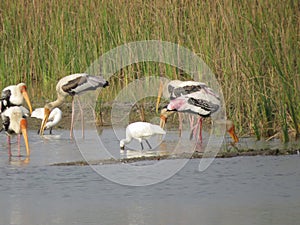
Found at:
[197, 106]
[14, 95]
[14, 123]
[54, 117]
[194, 98]
[72, 85]
[175, 89]
[141, 131]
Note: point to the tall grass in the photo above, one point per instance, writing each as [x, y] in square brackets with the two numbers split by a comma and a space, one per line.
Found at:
[252, 47]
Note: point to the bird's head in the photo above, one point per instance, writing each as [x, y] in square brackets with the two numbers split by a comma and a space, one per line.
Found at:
[23, 90]
[232, 133]
[229, 128]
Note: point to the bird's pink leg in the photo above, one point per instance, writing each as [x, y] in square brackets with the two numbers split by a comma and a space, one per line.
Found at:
[192, 127]
[180, 118]
[8, 145]
[191, 119]
[82, 118]
[19, 144]
[72, 119]
[195, 128]
[200, 129]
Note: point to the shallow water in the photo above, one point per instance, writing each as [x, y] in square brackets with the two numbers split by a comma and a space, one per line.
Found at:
[241, 190]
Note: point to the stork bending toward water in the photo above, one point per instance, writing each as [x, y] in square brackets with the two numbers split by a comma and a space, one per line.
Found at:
[72, 85]
[54, 117]
[194, 98]
[172, 90]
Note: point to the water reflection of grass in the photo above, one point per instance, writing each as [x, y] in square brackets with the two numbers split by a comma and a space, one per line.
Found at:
[252, 47]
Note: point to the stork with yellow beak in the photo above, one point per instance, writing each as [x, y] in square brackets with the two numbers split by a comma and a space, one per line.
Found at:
[71, 85]
[15, 123]
[14, 95]
[194, 98]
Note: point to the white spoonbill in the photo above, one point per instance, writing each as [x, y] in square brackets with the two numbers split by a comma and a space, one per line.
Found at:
[14, 122]
[72, 85]
[141, 131]
[14, 95]
[54, 117]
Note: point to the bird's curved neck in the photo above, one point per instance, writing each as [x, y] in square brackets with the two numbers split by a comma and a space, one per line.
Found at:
[59, 101]
[126, 140]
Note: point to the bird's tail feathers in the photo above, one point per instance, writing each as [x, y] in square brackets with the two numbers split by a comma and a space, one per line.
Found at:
[97, 81]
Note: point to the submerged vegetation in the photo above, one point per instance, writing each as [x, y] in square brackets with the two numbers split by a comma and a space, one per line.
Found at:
[251, 46]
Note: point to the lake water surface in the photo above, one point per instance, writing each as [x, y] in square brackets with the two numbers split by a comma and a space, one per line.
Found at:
[240, 190]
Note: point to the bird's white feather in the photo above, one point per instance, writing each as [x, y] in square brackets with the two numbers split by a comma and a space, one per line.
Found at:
[141, 131]
[16, 96]
[54, 117]
[15, 115]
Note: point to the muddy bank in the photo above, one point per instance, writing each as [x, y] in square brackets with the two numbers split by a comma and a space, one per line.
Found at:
[195, 155]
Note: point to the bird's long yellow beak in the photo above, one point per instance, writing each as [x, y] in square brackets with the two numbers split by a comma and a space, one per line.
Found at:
[45, 120]
[232, 134]
[162, 122]
[164, 114]
[160, 90]
[26, 97]
[23, 125]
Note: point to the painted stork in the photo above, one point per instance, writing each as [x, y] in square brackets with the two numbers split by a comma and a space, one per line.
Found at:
[14, 122]
[54, 117]
[72, 85]
[177, 88]
[201, 106]
[194, 98]
[141, 131]
[172, 90]
[14, 95]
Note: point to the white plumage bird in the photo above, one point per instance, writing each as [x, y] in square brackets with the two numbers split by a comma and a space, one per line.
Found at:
[141, 131]
[14, 95]
[72, 85]
[54, 117]
[14, 122]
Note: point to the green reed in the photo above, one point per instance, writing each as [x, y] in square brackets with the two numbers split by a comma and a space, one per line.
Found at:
[251, 46]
